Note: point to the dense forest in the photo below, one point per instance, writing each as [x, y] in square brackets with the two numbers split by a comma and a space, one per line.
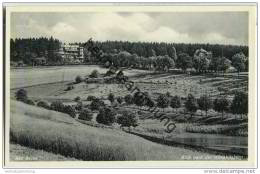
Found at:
[27, 49]
[144, 55]
[148, 49]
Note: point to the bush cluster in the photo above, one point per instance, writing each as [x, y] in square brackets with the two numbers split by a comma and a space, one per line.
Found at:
[86, 114]
[94, 74]
[96, 104]
[43, 104]
[106, 116]
[78, 79]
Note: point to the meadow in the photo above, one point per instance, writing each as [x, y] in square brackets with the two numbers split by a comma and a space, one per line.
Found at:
[75, 140]
[58, 133]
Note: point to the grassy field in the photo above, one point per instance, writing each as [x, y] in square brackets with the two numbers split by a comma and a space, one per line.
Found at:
[22, 153]
[39, 129]
[154, 83]
[35, 76]
[60, 134]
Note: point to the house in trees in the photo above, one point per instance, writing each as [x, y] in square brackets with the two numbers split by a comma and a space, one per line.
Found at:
[72, 53]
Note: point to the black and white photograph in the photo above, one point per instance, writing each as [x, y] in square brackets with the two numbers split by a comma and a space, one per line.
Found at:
[155, 83]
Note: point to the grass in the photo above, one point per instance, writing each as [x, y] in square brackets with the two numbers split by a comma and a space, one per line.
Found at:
[22, 153]
[73, 139]
[235, 130]
[35, 76]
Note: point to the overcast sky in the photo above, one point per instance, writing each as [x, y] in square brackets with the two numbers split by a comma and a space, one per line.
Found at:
[222, 28]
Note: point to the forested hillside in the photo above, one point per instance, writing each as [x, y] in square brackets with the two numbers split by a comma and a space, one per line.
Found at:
[27, 49]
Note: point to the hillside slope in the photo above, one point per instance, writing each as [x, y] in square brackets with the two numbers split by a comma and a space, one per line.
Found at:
[60, 134]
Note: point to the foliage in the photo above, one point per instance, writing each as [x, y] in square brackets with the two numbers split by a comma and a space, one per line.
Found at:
[205, 103]
[163, 101]
[111, 97]
[120, 99]
[106, 116]
[127, 119]
[111, 71]
[77, 99]
[91, 97]
[28, 49]
[29, 102]
[78, 79]
[150, 102]
[21, 95]
[96, 104]
[144, 49]
[239, 103]
[201, 60]
[131, 54]
[70, 87]
[85, 114]
[175, 102]
[238, 61]
[221, 104]
[224, 64]
[184, 61]
[164, 62]
[70, 111]
[57, 106]
[94, 74]
[139, 98]
[191, 104]
[43, 104]
[129, 99]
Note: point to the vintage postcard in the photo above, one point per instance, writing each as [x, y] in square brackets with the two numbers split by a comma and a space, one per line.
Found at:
[120, 85]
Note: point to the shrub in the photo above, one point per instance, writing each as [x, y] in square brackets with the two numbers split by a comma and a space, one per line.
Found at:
[43, 104]
[120, 99]
[77, 99]
[191, 104]
[106, 116]
[29, 102]
[21, 95]
[149, 102]
[111, 97]
[221, 104]
[127, 119]
[57, 106]
[91, 97]
[205, 103]
[70, 87]
[79, 106]
[163, 101]
[70, 111]
[78, 79]
[94, 74]
[86, 115]
[96, 104]
[129, 99]
[168, 94]
[110, 72]
[139, 98]
[239, 103]
[175, 102]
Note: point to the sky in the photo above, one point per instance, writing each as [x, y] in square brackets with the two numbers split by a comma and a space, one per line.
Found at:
[181, 27]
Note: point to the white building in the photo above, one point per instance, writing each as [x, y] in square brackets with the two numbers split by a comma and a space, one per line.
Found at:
[71, 53]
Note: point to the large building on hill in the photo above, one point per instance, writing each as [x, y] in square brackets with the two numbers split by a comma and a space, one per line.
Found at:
[72, 53]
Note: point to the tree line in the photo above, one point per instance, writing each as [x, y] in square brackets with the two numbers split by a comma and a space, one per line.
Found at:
[161, 56]
[148, 49]
[26, 49]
